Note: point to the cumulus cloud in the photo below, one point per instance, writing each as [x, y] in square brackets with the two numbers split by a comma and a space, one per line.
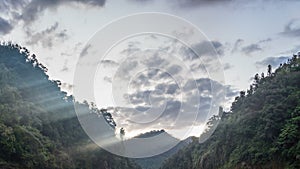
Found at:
[292, 29]
[158, 84]
[248, 49]
[205, 49]
[255, 47]
[109, 63]
[227, 66]
[193, 3]
[238, 43]
[7, 7]
[47, 37]
[5, 26]
[208, 47]
[159, 103]
[32, 10]
[190, 3]
[274, 61]
[29, 11]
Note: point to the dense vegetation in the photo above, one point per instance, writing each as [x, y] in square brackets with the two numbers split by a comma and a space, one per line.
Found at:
[39, 127]
[156, 161]
[261, 131]
[38, 124]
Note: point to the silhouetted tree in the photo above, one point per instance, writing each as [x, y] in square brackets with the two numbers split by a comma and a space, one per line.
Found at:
[269, 70]
[122, 132]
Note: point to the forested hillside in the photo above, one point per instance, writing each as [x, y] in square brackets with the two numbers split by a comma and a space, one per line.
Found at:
[38, 124]
[156, 161]
[261, 131]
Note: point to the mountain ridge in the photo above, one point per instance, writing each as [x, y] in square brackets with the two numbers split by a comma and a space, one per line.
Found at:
[260, 131]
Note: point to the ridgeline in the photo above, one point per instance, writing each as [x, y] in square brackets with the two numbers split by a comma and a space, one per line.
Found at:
[261, 131]
[38, 124]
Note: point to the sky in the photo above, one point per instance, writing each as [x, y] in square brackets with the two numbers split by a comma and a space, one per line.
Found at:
[146, 80]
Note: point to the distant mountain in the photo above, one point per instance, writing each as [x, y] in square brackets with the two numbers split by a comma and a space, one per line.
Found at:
[155, 162]
[262, 130]
[38, 124]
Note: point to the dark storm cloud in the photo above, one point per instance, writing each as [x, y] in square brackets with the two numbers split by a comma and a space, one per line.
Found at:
[255, 47]
[5, 26]
[274, 61]
[291, 29]
[47, 37]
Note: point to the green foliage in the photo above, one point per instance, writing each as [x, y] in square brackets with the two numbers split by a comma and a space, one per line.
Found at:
[262, 130]
[38, 124]
[156, 161]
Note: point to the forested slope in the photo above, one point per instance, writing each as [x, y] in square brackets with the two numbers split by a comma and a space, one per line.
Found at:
[156, 161]
[38, 124]
[261, 131]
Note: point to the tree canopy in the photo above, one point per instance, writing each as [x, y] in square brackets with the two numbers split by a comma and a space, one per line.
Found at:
[262, 129]
[38, 124]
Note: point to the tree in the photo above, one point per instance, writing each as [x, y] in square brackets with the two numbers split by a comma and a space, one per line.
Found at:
[122, 132]
[242, 94]
[250, 91]
[262, 75]
[256, 80]
[269, 70]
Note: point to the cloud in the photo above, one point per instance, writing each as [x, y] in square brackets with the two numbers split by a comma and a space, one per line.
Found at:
[159, 86]
[35, 8]
[208, 47]
[292, 29]
[84, 51]
[265, 40]
[238, 43]
[250, 48]
[227, 66]
[107, 79]
[274, 61]
[161, 105]
[47, 37]
[190, 3]
[174, 69]
[109, 63]
[65, 67]
[9, 6]
[255, 47]
[29, 11]
[5, 26]
[204, 49]
[195, 3]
